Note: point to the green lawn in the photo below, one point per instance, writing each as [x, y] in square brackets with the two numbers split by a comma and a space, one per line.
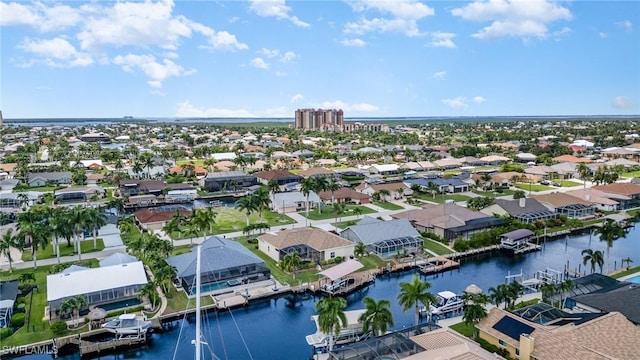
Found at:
[345, 224]
[632, 270]
[533, 187]
[631, 174]
[195, 162]
[463, 329]
[370, 262]
[328, 213]
[179, 250]
[38, 329]
[178, 301]
[436, 247]
[230, 219]
[495, 193]
[441, 199]
[37, 188]
[387, 205]
[47, 252]
[569, 183]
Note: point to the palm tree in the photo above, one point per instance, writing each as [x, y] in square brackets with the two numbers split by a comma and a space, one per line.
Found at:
[79, 301]
[291, 262]
[628, 261]
[474, 310]
[564, 288]
[146, 160]
[248, 204]
[583, 170]
[116, 203]
[357, 211]
[273, 187]
[307, 185]
[175, 225]
[610, 231]
[331, 316]
[594, 258]
[32, 232]
[384, 194]
[66, 307]
[203, 221]
[499, 294]
[321, 184]
[77, 217]
[413, 293]
[262, 199]
[433, 188]
[148, 291]
[377, 316]
[338, 210]
[548, 289]
[360, 249]
[333, 186]
[8, 241]
[95, 220]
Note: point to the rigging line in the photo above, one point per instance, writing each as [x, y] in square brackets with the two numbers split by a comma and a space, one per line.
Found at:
[241, 336]
[209, 346]
[224, 348]
[184, 317]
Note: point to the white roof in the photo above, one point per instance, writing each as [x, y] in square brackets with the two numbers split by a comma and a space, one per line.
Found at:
[60, 286]
[447, 294]
[342, 269]
[385, 167]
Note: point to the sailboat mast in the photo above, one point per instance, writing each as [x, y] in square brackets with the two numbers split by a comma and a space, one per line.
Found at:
[198, 342]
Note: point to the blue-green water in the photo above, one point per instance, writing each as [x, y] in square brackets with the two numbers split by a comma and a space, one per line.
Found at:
[274, 329]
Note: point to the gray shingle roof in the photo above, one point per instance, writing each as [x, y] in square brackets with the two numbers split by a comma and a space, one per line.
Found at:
[624, 300]
[217, 254]
[513, 206]
[376, 232]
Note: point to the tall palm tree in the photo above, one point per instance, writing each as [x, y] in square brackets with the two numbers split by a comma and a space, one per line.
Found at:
[610, 231]
[32, 232]
[377, 316]
[475, 310]
[338, 210]
[148, 291]
[175, 225]
[331, 316]
[321, 184]
[548, 289]
[262, 199]
[583, 170]
[333, 186]
[594, 258]
[628, 261]
[291, 262]
[8, 241]
[203, 221]
[307, 186]
[499, 294]
[95, 219]
[248, 204]
[79, 301]
[413, 293]
[273, 188]
[77, 217]
[357, 211]
[564, 288]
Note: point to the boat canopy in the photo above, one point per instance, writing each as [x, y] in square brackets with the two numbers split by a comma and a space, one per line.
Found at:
[342, 270]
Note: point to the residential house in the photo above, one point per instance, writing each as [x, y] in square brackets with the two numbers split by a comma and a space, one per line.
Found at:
[526, 210]
[564, 204]
[420, 166]
[99, 286]
[384, 169]
[396, 189]
[223, 264]
[46, 178]
[198, 171]
[449, 221]
[450, 185]
[153, 219]
[318, 172]
[571, 159]
[141, 187]
[142, 200]
[78, 194]
[19, 200]
[344, 195]
[228, 156]
[313, 245]
[448, 163]
[562, 336]
[384, 238]
[626, 189]
[601, 199]
[293, 201]
[8, 294]
[227, 180]
[526, 157]
[282, 177]
[495, 159]
[94, 178]
[93, 165]
[622, 297]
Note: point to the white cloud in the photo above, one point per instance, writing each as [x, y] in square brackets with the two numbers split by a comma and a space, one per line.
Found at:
[185, 109]
[479, 99]
[626, 25]
[404, 16]
[440, 39]
[39, 16]
[296, 98]
[288, 57]
[268, 52]
[275, 8]
[513, 18]
[156, 72]
[280, 111]
[456, 103]
[57, 52]
[603, 35]
[339, 104]
[439, 75]
[623, 102]
[259, 63]
[353, 42]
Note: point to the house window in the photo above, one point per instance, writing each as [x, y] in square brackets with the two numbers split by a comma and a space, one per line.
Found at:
[333, 254]
[501, 342]
[517, 352]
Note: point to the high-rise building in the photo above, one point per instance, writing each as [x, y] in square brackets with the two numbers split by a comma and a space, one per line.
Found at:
[320, 119]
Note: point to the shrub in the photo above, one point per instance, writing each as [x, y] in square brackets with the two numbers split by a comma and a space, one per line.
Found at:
[5, 333]
[59, 327]
[487, 346]
[17, 320]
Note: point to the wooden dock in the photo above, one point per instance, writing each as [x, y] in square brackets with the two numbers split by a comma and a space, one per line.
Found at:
[437, 264]
[93, 348]
[529, 248]
[472, 252]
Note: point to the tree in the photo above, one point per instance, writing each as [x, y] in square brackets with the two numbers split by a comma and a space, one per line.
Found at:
[331, 316]
[594, 258]
[628, 261]
[584, 172]
[384, 195]
[203, 220]
[262, 199]
[248, 204]
[564, 288]
[148, 291]
[175, 225]
[360, 249]
[610, 231]
[333, 186]
[78, 220]
[413, 293]
[291, 262]
[377, 316]
[95, 219]
[66, 307]
[79, 301]
[307, 186]
[474, 311]
[7, 242]
[499, 294]
[32, 232]
[338, 210]
[274, 188]
[357, 211]
[519, 194]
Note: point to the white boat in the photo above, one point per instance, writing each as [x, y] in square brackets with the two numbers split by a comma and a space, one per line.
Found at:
[351, 333]
[446, 302]
[128, 324]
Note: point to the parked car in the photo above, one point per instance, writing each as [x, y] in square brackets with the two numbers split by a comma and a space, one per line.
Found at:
[557, 184]
[545, 182]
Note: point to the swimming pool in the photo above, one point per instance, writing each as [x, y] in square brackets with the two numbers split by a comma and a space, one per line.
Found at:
[635, 279]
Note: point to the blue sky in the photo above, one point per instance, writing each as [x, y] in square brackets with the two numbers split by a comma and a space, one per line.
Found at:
[371, 58]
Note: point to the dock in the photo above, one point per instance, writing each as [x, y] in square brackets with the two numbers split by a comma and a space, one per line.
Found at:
[89, 348]
[529, 248]
[437, 264]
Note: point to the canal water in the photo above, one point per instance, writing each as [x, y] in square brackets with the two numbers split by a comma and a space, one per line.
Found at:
[276, 328]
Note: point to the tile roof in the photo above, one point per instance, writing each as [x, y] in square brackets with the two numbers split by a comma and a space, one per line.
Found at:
[315, 238]
[620, 188]
[571, 158]
[442, 216]
[559, 199]
[372, 233]
[315, 171]
[343, 193]
[275, 174]
[146, 216]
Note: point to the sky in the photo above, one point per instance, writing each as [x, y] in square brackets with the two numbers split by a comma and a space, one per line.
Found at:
[371, 58]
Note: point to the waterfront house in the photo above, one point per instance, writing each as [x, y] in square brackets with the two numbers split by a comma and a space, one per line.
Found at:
[384, 238]
[184, 170]
[419, 166]
[313, 245]
[627, 189]
[18, 200]
[562, 335]
[113, 286]
[571, 159]
[384, 169]
[45, 178]
[141, 187]
[142, 200]
[93, 165]
[282, 177]
[152, 219]
[223, 263]
[318, 172]
[78, 194]
[396, 189]
[227, 181]
[449, 221]
[622, 297]
[448, 163]
[451, 185]
[564, 204]
[344, 195]
[526, 210]
[8, 295]
[293, 201]
[600, 199]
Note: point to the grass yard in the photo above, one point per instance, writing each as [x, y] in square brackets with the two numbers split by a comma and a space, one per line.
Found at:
[195, 162]
[38, 188]
[47, 252]
[35, 328]
[387, 205]
[436, 247]
[370, 262]
[569, 183]
[441, 199]
[533, 187]
[178, 301]
[631, 174]
[495, 193]
[632, 270]
[463, 329]
[179, 250]
[328, 213]
[344, 224]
